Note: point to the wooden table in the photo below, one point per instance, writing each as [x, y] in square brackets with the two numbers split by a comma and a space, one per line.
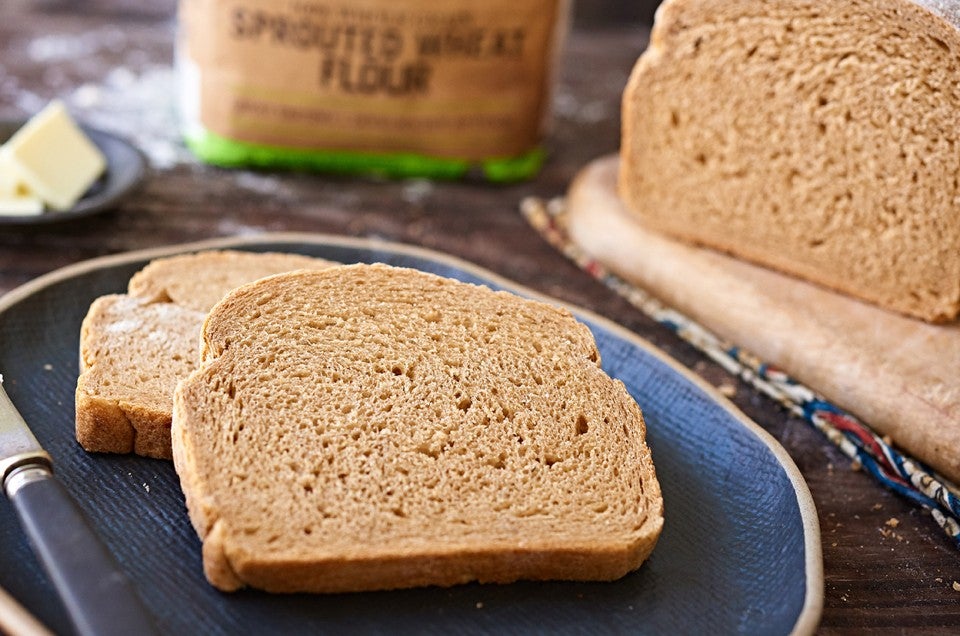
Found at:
[109, 54]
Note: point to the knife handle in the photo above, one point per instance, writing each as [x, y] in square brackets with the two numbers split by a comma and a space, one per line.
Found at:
[97, 596]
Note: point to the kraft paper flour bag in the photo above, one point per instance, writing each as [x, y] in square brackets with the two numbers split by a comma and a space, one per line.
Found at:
[395, 87]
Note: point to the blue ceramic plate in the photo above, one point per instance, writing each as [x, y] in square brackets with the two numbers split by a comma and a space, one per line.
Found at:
[126, 168]
[740, 550]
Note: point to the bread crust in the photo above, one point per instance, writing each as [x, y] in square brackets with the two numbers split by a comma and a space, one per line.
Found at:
[303, 472]
[113, 426]
[390, 571]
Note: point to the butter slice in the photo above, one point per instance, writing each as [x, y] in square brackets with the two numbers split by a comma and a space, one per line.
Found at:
[11, 184]
[20, 205]
[54, 158]
[15, 197]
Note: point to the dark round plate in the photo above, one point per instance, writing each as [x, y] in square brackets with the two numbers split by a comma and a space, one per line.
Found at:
[126, 168]
[739, 554]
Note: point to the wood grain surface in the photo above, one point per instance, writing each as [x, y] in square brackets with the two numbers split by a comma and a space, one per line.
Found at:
[888, 568]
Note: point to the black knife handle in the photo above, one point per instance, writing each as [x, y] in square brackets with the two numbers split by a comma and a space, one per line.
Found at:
[98, 597]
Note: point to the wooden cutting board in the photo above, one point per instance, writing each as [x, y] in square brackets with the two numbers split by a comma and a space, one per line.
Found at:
[899, 375]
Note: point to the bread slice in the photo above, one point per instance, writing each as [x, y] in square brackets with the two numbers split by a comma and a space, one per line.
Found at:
[370, 427]
[132, 355]
[816, 138]
[199, 280]
[135, 347]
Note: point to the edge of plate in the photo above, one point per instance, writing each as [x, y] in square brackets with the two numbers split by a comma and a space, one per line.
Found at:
[809, 616]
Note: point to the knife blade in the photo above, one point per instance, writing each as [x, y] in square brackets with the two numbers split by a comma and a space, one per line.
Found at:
[96, 594]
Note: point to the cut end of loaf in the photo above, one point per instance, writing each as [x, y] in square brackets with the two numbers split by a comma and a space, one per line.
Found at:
[815, 138]
[371, 427]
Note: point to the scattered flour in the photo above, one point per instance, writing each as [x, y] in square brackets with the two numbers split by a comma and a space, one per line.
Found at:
[140, 107]
[21, 98]
[124, 326]
[59, 48]
[262, 183]
[229, 227]
[416, 191]
[567, 106]
[135, 100]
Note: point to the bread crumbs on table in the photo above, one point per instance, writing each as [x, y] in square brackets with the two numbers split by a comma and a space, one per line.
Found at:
[956, 586]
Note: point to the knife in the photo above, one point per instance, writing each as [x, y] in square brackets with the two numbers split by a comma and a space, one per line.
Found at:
[97, 596]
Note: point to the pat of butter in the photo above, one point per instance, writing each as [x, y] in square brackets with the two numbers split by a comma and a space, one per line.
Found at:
[10, 182]
[20, 205]
[54, 158]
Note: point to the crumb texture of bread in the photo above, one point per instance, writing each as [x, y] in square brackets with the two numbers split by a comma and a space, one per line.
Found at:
[134, 348]
[816, 138]
[371, 427]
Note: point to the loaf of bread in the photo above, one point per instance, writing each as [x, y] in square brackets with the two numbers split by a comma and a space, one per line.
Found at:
[816, 138]
[370, 427]
[135, 347]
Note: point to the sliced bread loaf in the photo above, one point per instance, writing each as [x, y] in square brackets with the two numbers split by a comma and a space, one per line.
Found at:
[369, 427]
[134, 348]
[816, 138]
